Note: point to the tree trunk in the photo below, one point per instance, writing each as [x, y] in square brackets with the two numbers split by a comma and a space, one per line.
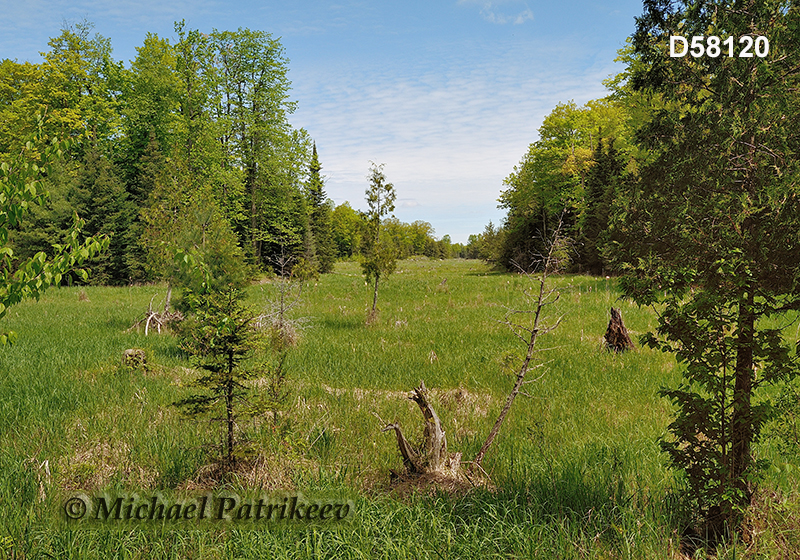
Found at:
[229, 410]
[742, 418]
[510, 400]
[375, 294]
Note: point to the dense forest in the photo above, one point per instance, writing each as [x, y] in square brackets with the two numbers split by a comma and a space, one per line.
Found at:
[188, 150]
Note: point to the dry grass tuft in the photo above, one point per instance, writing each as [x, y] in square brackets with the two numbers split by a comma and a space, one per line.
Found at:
[372, 317]
[403, 485]
[98, 464]
[262, 472]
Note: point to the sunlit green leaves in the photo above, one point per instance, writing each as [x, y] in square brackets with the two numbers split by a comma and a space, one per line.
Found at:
[31, 277]
[709, 234]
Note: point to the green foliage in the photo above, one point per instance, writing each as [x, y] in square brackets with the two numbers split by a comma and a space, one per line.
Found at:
[348, 227]
[602, 182]
[220, 336]
[487, 245]
[79, 87]
[20, 190]
[786, 423]
[709, 234]
[149, 107]
[380, 254]
[552, 177]
[320, 216]
[46, 224]
[282, 224]
[99, 196]
[19, 103]
[263, 160]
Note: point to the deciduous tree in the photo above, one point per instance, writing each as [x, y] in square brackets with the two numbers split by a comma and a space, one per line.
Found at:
[20, 190]
[380, 257]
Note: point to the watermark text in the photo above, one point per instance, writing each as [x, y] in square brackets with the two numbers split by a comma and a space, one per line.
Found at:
[209, 509]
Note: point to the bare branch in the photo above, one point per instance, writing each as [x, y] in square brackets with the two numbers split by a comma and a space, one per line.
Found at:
[551, 263]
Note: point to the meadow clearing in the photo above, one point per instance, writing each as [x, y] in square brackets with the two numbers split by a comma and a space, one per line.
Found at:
[575, 473]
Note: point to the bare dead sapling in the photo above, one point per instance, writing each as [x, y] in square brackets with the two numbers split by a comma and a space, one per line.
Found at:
[277, 319]
[431, 457]
[529, 332]
[158, 319]
[283, 334]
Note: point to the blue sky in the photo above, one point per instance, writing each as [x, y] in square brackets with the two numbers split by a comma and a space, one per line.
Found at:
[448, 94]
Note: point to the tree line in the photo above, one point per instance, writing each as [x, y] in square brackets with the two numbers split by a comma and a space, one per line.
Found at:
[569, 176]
[188, 149]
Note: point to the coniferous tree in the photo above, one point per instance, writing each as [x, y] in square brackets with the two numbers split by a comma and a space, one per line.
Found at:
[101, 200]
[601, 183]
[709, 233]
[220, 336]
[320, 216]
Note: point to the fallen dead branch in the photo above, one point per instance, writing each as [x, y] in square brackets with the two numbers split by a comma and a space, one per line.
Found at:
[158, 319]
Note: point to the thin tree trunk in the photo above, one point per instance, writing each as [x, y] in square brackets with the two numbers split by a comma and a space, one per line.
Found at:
[375, 294]
[551, 264]
[253, 220]
[229, 409]
[520, 378]
[742, 417]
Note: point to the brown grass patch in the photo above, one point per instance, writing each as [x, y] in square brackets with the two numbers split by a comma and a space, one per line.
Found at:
[97, 464]
[273, 472]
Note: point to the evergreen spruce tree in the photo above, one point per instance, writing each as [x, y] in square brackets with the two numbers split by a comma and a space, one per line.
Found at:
[601, 183]
[151, 172]
[100, 198]
[221, 337]
[320, 216]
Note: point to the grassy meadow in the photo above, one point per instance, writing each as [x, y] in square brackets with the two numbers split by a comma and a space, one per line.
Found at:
[575, 473]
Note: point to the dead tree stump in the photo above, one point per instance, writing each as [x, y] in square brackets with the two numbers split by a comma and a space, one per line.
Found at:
[431, 457]
[616, 336]
[134, 358]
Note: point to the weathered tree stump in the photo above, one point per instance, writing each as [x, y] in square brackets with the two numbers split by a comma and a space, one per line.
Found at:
[134, 358]
[616, 336]
[431, 457]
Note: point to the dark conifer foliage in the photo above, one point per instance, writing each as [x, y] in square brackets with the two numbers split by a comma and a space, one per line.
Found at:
[320, 216]
[709, 233]
[601, 185]
[100, 198]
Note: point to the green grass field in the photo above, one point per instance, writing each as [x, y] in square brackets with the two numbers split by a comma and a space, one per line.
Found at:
[576, 470]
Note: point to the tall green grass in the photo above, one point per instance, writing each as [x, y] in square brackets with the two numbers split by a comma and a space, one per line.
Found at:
[576, 470]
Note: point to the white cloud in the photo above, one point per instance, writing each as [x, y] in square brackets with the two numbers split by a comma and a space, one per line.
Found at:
[407, 203]
[522, 17]
[448, 134]
[491, 12]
